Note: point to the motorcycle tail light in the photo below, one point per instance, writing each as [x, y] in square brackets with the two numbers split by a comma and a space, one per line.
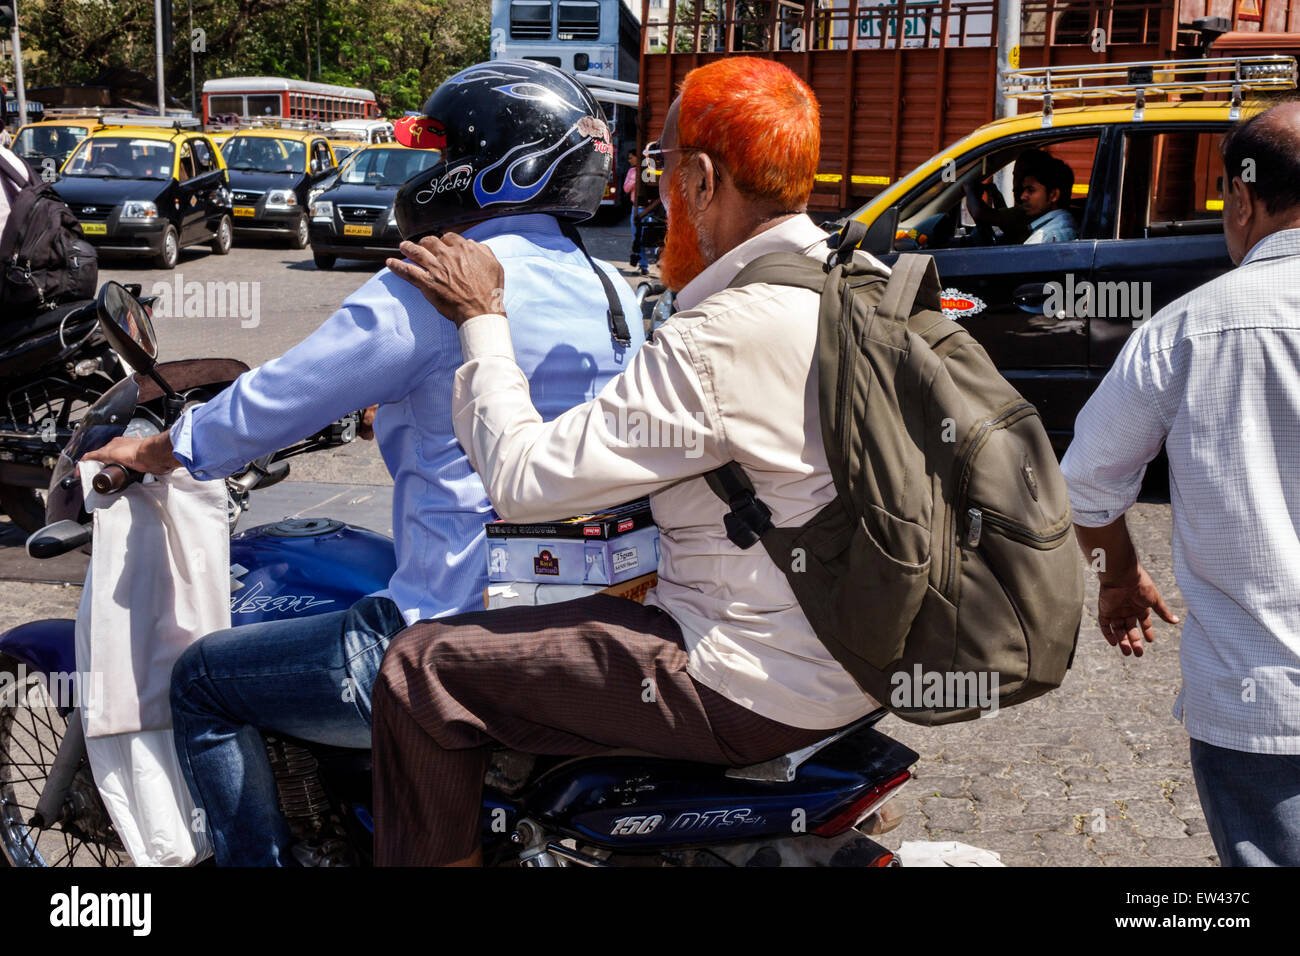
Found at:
[862, 807]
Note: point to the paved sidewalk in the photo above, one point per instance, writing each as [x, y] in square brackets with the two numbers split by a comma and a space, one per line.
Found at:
[1095, 773]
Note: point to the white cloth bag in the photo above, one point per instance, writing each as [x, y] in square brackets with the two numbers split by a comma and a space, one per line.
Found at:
[159, 580]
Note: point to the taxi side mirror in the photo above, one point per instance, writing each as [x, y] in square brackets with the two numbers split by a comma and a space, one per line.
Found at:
[880, 235]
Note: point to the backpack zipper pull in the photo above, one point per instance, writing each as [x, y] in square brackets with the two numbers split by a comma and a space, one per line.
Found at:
[976, 527]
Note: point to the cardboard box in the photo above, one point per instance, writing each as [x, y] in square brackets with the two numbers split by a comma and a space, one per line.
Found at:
[596, 549]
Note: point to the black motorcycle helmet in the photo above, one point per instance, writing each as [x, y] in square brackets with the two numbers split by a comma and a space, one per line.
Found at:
[516, 137]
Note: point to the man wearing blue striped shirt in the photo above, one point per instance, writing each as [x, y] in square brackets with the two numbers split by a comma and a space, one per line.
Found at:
[573, 331]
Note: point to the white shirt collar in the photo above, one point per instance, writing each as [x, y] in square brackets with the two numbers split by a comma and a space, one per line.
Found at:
[798, 234]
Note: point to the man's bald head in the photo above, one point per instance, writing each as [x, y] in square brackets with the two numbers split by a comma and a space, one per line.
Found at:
[1264, 152]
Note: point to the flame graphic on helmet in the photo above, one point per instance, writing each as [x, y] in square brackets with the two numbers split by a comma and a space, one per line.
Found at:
[512, 191]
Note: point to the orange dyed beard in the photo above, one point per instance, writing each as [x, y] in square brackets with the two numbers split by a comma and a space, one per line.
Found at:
[682, 258]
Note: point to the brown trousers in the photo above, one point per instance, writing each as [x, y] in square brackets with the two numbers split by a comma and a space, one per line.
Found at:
[577, 678]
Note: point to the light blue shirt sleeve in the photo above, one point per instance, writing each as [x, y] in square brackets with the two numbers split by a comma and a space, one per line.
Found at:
[377, 348]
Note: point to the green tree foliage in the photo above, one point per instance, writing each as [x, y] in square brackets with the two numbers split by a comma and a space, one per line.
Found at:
[400, 49]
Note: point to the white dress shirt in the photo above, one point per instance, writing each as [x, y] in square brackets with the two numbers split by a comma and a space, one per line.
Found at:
[1216, 377]
[732, 377]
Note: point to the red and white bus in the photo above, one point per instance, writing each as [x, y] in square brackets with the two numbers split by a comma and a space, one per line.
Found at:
[253, 98]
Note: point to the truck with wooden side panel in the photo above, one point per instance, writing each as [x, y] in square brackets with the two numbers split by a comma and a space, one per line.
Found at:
[900, 80]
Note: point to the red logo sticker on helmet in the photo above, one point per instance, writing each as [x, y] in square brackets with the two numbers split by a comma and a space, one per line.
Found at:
[957, 304]
[420, 132]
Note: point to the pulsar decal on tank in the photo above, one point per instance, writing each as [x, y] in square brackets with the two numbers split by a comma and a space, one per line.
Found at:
[253, 601]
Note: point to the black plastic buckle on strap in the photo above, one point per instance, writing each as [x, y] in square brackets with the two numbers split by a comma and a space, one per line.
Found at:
[747, 521]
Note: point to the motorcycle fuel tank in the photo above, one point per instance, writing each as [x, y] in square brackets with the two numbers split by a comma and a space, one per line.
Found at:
[304, 566]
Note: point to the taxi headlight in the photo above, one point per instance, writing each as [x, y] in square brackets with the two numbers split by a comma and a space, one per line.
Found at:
[281, 199]
[322, 210]
[138, 210]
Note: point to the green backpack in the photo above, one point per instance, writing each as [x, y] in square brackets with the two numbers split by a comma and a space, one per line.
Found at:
[943, 577]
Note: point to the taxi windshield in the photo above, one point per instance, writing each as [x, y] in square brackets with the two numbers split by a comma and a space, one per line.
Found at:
[387, 167]
[122, 157]
[265, 154]
[40, 142]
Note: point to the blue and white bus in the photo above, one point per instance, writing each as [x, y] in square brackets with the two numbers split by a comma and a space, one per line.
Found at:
[593, 37]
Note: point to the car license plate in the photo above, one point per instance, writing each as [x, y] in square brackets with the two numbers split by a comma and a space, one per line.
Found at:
[245, 211]
[95, 228]
[358, 230]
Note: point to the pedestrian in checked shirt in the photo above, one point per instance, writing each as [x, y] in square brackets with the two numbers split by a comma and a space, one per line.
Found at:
[311, 677]
[1215, 377]
[737, 673]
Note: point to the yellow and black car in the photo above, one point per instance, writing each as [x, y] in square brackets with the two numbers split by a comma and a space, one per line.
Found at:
[149, 191]
[272, 171]
[353, 217]
[1146, 207]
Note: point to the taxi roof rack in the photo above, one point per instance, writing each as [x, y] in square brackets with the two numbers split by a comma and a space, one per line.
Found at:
[118, 116]
[282, 122]
[1234, 75]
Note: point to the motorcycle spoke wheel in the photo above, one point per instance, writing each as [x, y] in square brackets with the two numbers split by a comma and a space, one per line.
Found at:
[31, 730]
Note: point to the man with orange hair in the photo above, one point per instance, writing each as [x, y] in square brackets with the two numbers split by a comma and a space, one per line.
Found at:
[720, 665]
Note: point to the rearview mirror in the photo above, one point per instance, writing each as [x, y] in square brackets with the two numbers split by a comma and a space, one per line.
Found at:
[126, 325]
[880, 236]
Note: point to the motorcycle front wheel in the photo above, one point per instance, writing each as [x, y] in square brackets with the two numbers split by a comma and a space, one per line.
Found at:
[31, 729]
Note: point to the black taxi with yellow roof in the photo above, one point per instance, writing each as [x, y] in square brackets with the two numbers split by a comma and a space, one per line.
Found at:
[1145, 214]
[353, 217]
[272, 171]
[148, 191]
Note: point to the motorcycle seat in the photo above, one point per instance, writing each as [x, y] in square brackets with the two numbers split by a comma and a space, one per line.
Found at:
[42, 322]
[511, 768]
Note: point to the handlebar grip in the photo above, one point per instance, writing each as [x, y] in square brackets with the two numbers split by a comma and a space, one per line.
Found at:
[113, 479]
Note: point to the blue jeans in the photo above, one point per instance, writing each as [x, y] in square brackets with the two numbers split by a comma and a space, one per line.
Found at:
[1251, 803]
[638, 249]
[308, 678]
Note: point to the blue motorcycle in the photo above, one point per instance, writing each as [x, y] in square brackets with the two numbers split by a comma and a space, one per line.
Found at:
[816, 806]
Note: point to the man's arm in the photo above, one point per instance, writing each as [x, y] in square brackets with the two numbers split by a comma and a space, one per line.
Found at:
[649, 427]
[1116, 435]
[365, 354]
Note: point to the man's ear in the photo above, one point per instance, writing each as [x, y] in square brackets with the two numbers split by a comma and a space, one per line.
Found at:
[1243, 207]
[702, 179]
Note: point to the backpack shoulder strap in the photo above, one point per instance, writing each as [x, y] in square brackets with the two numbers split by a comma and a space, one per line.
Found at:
[749, 519]
[618, 329]
[913, 284]
[783, 268]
